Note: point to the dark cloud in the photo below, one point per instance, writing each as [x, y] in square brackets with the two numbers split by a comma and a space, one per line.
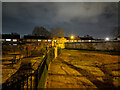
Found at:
[0, 18]
[96, 19]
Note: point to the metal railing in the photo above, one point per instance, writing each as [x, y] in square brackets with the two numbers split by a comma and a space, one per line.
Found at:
[31, 78]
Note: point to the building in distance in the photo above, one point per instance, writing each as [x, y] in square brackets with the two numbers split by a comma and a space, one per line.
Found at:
[10, 38]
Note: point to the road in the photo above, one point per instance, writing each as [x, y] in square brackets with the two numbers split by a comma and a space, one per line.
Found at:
[78, 69]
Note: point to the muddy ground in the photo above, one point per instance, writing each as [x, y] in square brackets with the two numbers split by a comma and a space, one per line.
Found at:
[80, 69]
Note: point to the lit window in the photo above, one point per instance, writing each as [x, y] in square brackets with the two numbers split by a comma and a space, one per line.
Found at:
[28, 40]
[45, 40]
[79, 40]
[75, 40]
[8, 39]
[49, 40]
[71, 40]
[67, 40]
[14, 40]
[1, 40]
[54, 40]
[34, 40]
[14, 44]
[89, 40]
[39, 40]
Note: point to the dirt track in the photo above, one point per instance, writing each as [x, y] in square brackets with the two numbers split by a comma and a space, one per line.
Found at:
[77, 69]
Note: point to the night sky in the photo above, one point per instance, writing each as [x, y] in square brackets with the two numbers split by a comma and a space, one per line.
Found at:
[95, 19]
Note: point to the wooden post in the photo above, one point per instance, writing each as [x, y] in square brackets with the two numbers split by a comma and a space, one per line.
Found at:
[53, 43]
[55, 51]
[30, 50]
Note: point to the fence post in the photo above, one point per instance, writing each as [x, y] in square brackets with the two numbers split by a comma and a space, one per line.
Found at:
[27, 81]
[31, 83]
[55, 48]
[36, 80]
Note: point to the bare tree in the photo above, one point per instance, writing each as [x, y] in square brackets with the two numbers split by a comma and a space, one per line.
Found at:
[88, 36]
[40, 31]
[57, 32]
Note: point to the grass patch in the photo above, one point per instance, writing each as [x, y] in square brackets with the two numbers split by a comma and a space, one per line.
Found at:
[96, 51]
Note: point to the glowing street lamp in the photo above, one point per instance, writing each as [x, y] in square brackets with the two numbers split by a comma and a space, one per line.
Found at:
[72, 37]
[107, 39]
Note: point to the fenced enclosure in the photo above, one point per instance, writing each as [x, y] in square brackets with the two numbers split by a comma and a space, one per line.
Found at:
[14, 53]
[27, 78]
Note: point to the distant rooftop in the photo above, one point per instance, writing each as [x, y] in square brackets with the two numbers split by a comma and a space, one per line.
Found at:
[11, 36]
[34, 37]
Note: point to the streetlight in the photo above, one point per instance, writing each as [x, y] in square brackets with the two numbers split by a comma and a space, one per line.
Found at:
[72, 37]
[107, 39]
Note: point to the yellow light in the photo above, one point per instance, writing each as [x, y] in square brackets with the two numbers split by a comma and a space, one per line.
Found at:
[72, 37]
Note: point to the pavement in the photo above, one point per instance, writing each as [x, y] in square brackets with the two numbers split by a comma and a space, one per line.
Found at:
[77, 69]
